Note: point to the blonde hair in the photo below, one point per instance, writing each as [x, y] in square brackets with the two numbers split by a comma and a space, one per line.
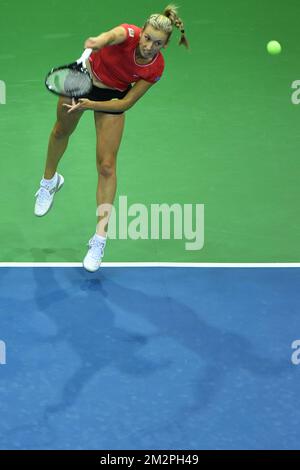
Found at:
[165, 22]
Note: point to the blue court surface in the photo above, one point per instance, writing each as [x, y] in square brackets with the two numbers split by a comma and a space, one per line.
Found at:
[149, 358]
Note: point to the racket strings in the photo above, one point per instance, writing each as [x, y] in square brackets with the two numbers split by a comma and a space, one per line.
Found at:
[69, 82]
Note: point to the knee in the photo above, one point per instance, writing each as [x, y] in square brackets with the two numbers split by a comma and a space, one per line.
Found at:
[106, 168]
[60, 132]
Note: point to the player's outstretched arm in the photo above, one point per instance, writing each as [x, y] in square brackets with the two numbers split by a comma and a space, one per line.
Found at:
[136, 92]
[109, 38]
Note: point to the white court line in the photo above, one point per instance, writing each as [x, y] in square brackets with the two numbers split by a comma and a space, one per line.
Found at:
[153, 265]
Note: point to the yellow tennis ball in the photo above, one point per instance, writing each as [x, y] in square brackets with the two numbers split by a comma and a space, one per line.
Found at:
[273, 47]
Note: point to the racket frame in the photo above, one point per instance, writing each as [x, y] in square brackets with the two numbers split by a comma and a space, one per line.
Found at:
[80, 66]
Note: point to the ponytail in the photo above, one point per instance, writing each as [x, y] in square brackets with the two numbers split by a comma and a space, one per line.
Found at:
[171, 12]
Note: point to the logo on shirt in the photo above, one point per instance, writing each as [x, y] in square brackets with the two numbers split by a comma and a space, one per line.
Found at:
[131, 32]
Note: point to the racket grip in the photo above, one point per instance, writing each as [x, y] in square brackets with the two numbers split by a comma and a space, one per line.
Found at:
[85, 55]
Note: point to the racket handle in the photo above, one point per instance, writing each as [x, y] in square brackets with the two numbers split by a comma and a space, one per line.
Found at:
[85, 55]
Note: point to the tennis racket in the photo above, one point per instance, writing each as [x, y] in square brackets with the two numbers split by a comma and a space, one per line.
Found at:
[73, 80]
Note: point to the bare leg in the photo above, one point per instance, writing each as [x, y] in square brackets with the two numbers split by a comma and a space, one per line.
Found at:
[109, 129]
[59, 137]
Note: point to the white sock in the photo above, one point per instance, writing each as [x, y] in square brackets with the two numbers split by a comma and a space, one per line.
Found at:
[100, 238]
[49, 183]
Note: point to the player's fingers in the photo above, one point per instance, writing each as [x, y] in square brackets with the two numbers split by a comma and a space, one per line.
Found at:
[74, 108]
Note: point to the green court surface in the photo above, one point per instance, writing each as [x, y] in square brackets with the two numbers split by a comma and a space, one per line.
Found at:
[219, 129]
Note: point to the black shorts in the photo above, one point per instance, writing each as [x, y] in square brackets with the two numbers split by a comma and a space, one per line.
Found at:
[106, 94]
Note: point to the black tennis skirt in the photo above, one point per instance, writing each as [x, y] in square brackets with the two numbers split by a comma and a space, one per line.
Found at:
[106, 94]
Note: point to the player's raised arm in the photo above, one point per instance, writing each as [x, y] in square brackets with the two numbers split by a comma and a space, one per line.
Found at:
[109, 38]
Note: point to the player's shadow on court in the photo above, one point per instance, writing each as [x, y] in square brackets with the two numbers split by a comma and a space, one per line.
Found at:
[84, 316]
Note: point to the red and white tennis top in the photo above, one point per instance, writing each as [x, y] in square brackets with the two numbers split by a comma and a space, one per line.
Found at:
[116, 65]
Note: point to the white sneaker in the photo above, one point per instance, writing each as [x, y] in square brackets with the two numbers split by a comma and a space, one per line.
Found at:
[44, 197]
[93, 258]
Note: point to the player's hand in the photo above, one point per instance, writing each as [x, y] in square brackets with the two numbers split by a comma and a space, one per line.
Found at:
[92, 43]
[81, 105]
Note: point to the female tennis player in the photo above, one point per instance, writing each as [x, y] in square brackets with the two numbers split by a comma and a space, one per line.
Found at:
[125, 63]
